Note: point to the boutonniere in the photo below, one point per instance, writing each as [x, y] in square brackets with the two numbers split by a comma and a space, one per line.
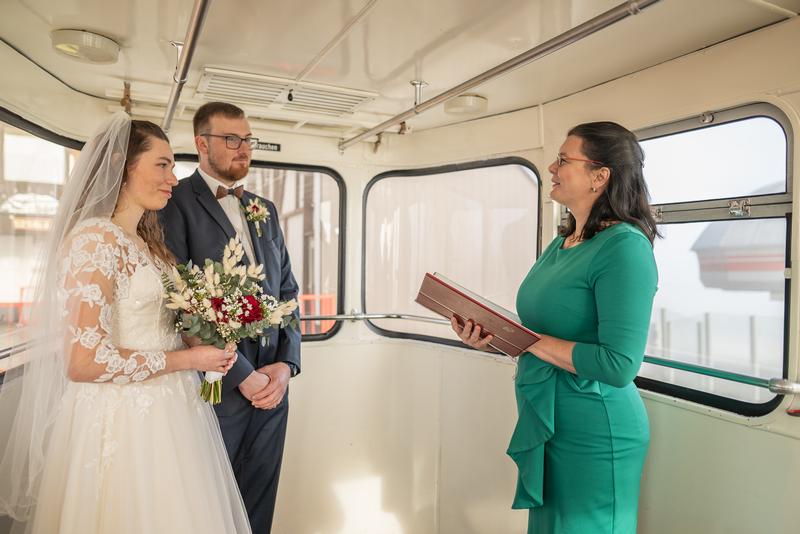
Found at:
[256, 212]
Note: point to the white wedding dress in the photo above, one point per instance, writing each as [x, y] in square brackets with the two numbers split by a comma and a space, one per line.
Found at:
[130, 452]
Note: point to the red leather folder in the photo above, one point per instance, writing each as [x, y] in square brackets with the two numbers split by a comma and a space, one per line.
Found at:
[446, 298]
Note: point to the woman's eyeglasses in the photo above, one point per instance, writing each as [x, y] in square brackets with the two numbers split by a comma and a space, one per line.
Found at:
[562, 160]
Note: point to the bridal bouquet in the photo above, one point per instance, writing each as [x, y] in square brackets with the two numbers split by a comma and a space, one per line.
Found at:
[223, 303]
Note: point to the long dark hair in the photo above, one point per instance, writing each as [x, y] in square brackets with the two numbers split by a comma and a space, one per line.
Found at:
[625, 198]
[149, 228]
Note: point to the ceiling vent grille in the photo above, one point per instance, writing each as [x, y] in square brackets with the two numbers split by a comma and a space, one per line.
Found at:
[255, 90]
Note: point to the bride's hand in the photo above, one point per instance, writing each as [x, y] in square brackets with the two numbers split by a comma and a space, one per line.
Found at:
[210, 358]
[231, 348]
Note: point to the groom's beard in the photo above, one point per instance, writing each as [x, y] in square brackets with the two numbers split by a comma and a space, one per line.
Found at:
[232, 173]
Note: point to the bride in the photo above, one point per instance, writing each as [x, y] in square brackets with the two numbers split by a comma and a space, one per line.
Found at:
[109, 434]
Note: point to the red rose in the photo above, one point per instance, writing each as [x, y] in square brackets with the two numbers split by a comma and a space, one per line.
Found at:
[216, 305]
[251, 310]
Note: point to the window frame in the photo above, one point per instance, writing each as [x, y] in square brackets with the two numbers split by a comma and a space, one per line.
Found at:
[17, 121]
[440, 169]
[763, 206]
[340, 289]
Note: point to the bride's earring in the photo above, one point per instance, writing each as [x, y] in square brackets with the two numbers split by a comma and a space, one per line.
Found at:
[594, 189]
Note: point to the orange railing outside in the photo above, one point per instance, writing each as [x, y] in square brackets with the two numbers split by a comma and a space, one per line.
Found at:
[322, 304]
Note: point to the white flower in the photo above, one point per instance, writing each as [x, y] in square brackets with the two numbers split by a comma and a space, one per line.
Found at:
[209, 275]
[180, 284]
[177, 302]
[283, 309]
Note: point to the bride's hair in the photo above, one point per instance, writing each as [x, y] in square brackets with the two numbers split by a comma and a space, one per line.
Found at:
[149, 229]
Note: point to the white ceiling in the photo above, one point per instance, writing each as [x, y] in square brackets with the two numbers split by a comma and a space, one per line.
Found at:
[443, 42]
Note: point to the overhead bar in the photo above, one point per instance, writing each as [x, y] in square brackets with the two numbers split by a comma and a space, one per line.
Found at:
[577, 33]
[185, 60]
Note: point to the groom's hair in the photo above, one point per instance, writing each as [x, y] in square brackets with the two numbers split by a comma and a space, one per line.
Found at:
[202, 117]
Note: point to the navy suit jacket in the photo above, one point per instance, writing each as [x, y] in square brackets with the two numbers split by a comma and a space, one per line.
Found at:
[196, 228]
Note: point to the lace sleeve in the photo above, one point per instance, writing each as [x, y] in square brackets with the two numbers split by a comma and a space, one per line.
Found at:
[94, 267]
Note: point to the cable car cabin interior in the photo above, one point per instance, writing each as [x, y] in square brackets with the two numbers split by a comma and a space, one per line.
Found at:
[399, 138]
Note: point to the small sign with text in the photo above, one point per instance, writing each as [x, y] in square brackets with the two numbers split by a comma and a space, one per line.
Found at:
[270, 147]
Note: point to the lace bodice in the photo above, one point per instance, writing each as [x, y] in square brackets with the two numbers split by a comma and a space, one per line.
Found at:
[118, 326]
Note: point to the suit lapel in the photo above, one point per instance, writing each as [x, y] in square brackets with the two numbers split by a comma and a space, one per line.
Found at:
[254, 239]
[209, 202]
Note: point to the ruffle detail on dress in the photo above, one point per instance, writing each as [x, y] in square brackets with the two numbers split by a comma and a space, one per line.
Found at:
[535, 386]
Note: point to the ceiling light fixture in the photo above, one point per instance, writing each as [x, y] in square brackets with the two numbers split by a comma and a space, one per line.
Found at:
[85, 46]
[466, 104]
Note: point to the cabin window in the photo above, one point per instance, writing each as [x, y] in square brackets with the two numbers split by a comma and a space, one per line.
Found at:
[309, 201]
[478, 224]
[720, 193]
[33, 171]
[739, 158]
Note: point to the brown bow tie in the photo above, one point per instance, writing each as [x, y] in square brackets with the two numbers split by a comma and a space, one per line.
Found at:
[223, 192]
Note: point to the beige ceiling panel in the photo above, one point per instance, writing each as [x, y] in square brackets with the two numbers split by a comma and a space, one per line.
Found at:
[660, 33]
[272, 37]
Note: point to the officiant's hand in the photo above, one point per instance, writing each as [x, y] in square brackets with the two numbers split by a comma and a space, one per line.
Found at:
[471, 336]
[271, 396]
[253, 384]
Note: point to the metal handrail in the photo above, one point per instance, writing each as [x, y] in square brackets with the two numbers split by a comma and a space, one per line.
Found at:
[368, 316]
[612, 16]
[779, 386]
[185, 59]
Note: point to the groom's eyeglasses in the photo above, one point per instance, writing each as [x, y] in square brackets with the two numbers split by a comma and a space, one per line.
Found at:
[233, 142]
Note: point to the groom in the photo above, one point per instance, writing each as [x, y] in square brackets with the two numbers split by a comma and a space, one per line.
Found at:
[205, 212]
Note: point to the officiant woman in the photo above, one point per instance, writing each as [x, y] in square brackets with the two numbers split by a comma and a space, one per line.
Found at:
[582, 433]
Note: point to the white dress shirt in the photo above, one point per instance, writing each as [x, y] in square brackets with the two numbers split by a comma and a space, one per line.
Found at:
[233, 209]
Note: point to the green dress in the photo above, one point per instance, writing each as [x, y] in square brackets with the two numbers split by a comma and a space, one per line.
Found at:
[581, 440]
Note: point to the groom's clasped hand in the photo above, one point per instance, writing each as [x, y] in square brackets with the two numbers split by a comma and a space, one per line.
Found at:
[266, 386]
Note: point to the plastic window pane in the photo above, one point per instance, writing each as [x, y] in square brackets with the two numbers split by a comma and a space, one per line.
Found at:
[476, 226]
[720, 303]
[735, 159]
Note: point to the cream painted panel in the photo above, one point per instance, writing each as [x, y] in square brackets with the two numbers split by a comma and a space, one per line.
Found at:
[362, 446]
[478, 414]
[398, 437]
[467, 141]
[707, 475]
